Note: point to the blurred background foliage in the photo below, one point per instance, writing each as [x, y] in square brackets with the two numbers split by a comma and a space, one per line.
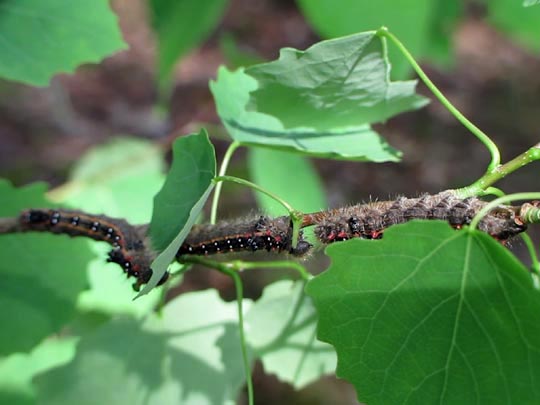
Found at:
[153, 86]
[481, 55]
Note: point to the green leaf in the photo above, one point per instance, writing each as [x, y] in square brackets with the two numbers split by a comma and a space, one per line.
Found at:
[118, 179]
[42, 38]
[172, 358]
[181, 199]
[320, 101]
[164, 259]
[289, 176]
[281, 331]
[180, 26]
[520, 23]
[41, 275]
[410, 20]
[431, 315]
[528, 3]
[18, 370]
[192, 170]
[111, 292]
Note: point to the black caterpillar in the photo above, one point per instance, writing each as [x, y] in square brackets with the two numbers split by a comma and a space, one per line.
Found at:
[262, 233]
[129, 249]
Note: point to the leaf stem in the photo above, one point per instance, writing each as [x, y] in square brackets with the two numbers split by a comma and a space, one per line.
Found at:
[482, 185]
[535, 265]
[499, 201]
[222, 170]
[240, 265]
[497, 192]
[486, 140]
[229, 270]
[239, 299]
[254, 186]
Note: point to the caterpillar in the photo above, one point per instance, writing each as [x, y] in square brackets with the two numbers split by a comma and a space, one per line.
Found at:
[368, 221]
[129, 249]
[254, 234]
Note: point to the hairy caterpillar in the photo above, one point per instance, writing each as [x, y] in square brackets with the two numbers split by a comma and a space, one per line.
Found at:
[260, 233]
[129, 248]
[368, 221]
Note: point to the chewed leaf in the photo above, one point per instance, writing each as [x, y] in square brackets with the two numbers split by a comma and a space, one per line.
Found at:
[192, 170]
[335, 83]
[181, 199]
[320, 101]
[428, 315]
[429, 36]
